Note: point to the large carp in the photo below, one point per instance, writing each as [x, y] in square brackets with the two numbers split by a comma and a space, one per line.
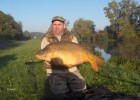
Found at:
[68, 54]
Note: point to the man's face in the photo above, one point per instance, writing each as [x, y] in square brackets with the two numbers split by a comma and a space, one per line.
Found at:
[58, 27]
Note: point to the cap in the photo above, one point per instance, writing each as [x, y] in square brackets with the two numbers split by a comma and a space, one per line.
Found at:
[58, 18]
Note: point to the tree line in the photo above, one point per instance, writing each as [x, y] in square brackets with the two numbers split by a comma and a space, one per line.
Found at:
[9, 28]
[124, 17]
[124, 20]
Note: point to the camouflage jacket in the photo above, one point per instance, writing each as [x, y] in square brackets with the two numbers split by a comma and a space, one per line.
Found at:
[67, 36]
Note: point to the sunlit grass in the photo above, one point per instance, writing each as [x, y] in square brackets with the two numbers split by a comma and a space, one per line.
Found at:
[17, 80]
[117, 79]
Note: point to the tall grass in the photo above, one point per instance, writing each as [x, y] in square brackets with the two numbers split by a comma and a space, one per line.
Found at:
[17, 80]
[119, 75]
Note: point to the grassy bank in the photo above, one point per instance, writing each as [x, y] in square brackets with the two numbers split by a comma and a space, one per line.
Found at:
[17, 80]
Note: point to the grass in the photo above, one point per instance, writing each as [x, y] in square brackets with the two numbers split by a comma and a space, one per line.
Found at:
[17, 80]
[116, 79]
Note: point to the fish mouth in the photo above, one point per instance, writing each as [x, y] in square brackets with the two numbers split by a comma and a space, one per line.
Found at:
[37, 56]
[40, 57]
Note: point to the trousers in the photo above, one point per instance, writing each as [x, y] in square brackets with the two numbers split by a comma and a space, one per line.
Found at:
[65, 82]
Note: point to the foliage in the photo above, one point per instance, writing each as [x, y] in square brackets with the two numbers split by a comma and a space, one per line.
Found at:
[83, 28]
[124, 18]
[27, 35]
[38, 35]
[129, 64]
[32, 35]
[9, 28]
[119, 78]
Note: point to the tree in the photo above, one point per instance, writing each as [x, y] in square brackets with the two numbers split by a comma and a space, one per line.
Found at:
[124, 17]
[9, 28]
[83, 28]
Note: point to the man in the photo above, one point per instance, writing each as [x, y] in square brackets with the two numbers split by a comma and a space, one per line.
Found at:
[62, 81]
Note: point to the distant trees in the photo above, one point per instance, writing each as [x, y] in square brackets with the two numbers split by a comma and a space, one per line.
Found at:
[83, 28]
[32, 35]
[124, 19]
[26, 35]
[9, 28]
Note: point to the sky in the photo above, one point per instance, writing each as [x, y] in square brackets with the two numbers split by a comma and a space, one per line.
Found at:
[36, 15]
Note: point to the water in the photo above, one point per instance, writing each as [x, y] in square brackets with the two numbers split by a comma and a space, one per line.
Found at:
[104, 54]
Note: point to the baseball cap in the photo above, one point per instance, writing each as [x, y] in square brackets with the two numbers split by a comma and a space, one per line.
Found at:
[58, 18]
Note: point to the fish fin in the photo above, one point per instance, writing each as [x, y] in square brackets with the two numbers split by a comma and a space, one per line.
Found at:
[95, 61]
[95, 67]
[79, 61]
[100, 61]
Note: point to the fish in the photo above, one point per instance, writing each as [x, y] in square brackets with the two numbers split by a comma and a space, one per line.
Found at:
[69, 54]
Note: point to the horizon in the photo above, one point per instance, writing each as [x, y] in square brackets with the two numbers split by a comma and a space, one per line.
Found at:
[36, 16]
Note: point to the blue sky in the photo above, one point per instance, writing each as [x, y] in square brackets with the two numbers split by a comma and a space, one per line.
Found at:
[36, 15]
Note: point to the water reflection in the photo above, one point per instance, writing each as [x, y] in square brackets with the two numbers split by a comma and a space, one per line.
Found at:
[105, 55]
[127, 49]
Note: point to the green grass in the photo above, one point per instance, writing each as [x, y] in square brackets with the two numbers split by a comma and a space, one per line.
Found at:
[17, 78]
[120, 75]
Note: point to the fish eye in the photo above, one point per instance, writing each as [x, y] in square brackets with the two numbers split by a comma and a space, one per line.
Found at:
[40, 52]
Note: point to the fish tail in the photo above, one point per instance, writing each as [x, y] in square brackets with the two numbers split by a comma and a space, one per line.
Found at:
[95, 61]
[100, 61]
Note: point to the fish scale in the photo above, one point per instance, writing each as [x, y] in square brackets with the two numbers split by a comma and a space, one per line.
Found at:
[69, 54]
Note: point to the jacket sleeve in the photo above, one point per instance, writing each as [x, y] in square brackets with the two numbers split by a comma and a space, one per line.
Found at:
[74, 40]
[44, 43]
